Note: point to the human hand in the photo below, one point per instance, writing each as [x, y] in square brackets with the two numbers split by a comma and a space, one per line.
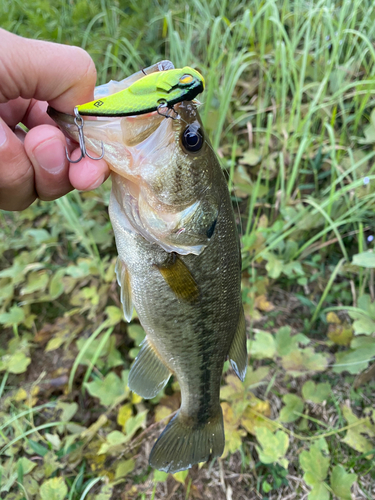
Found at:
[34, 74]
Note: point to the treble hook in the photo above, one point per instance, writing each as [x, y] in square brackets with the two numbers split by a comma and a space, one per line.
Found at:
[168, 114]
[79, 122]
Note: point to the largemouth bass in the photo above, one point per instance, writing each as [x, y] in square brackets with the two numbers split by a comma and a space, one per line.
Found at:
[179, 265]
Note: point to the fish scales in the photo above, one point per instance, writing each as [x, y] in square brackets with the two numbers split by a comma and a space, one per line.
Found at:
[179, 265]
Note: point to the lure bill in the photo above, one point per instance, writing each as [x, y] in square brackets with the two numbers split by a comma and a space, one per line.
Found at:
[155, 90]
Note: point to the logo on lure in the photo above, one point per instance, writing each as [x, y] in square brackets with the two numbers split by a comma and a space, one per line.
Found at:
[159, 89]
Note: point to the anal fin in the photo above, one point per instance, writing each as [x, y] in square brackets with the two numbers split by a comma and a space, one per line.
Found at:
[178, 276]
[148, 375]
[238, 350]
[123, 279]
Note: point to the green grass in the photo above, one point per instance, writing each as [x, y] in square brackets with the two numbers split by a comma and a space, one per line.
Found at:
[289, 107]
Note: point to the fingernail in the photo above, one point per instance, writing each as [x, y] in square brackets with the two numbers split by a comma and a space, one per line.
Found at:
[96, 183]
[3, 134]
[50, 156]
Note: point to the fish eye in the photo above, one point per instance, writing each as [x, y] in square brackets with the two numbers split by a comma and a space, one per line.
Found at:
[192, 138]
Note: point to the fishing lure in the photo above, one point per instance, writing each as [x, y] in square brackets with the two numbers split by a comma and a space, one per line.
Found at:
[157, 91]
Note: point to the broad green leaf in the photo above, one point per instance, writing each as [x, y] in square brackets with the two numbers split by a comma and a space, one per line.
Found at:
[134, 423]
[266, 487]
[274, 265]
[15, 316]
[254, 377]
[106, 492]
[341, 482]
[40, 236]
[317, 393]
[273, 446]
[107, 390]
[293, 407]
[31, 486]
[137, 333]
[54, 440]
[362, 341]
[302, 361]
[51, 463]
[56, 285]
[354, 361]
[36, 282]
[284, 341]
[263, 345]
[160, 476]
[181, 476]
[360, 436]
[53, 489]
[319, 492]
[15, 363]
[124, 467]
[366, 305]
[364, 325]
[364, 259]
[113, 440]
[315, 465]
[26, 464]
[114, 315]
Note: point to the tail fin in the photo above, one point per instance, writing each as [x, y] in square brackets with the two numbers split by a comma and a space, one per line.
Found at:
[181, 445]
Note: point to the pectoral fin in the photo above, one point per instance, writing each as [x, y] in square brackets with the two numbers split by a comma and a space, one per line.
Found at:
[123, 279]
[180, 279]
[148, 375]
[238, 350]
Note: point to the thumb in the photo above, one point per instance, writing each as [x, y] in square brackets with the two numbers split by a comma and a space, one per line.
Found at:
[63, 75]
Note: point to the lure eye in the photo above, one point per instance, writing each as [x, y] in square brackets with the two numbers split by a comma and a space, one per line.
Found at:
[186, 79]
[192, 138]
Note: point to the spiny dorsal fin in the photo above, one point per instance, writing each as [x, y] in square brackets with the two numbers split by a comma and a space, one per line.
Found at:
[180, 279]
[123, 279]
[148, 375]
[238, 350]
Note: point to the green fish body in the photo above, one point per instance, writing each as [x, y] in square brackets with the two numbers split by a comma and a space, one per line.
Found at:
[179, 266]
[146, 94]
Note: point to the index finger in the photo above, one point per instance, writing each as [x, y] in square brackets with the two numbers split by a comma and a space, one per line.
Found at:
[63, 75]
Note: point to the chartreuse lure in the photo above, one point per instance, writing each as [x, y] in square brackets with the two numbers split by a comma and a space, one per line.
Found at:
[159, 89]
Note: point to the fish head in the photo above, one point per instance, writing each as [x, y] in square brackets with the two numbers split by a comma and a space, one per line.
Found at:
[170, 197]
[163, 174]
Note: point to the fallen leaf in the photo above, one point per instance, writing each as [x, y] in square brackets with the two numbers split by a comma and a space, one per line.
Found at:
[316, 393]
[360, 437]
[301, 361]
[341, 482]
[263, 304]
[273, 446]
[107, 390]
[263, 345]
[53, 489]
[293, 407]
[315, 466]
